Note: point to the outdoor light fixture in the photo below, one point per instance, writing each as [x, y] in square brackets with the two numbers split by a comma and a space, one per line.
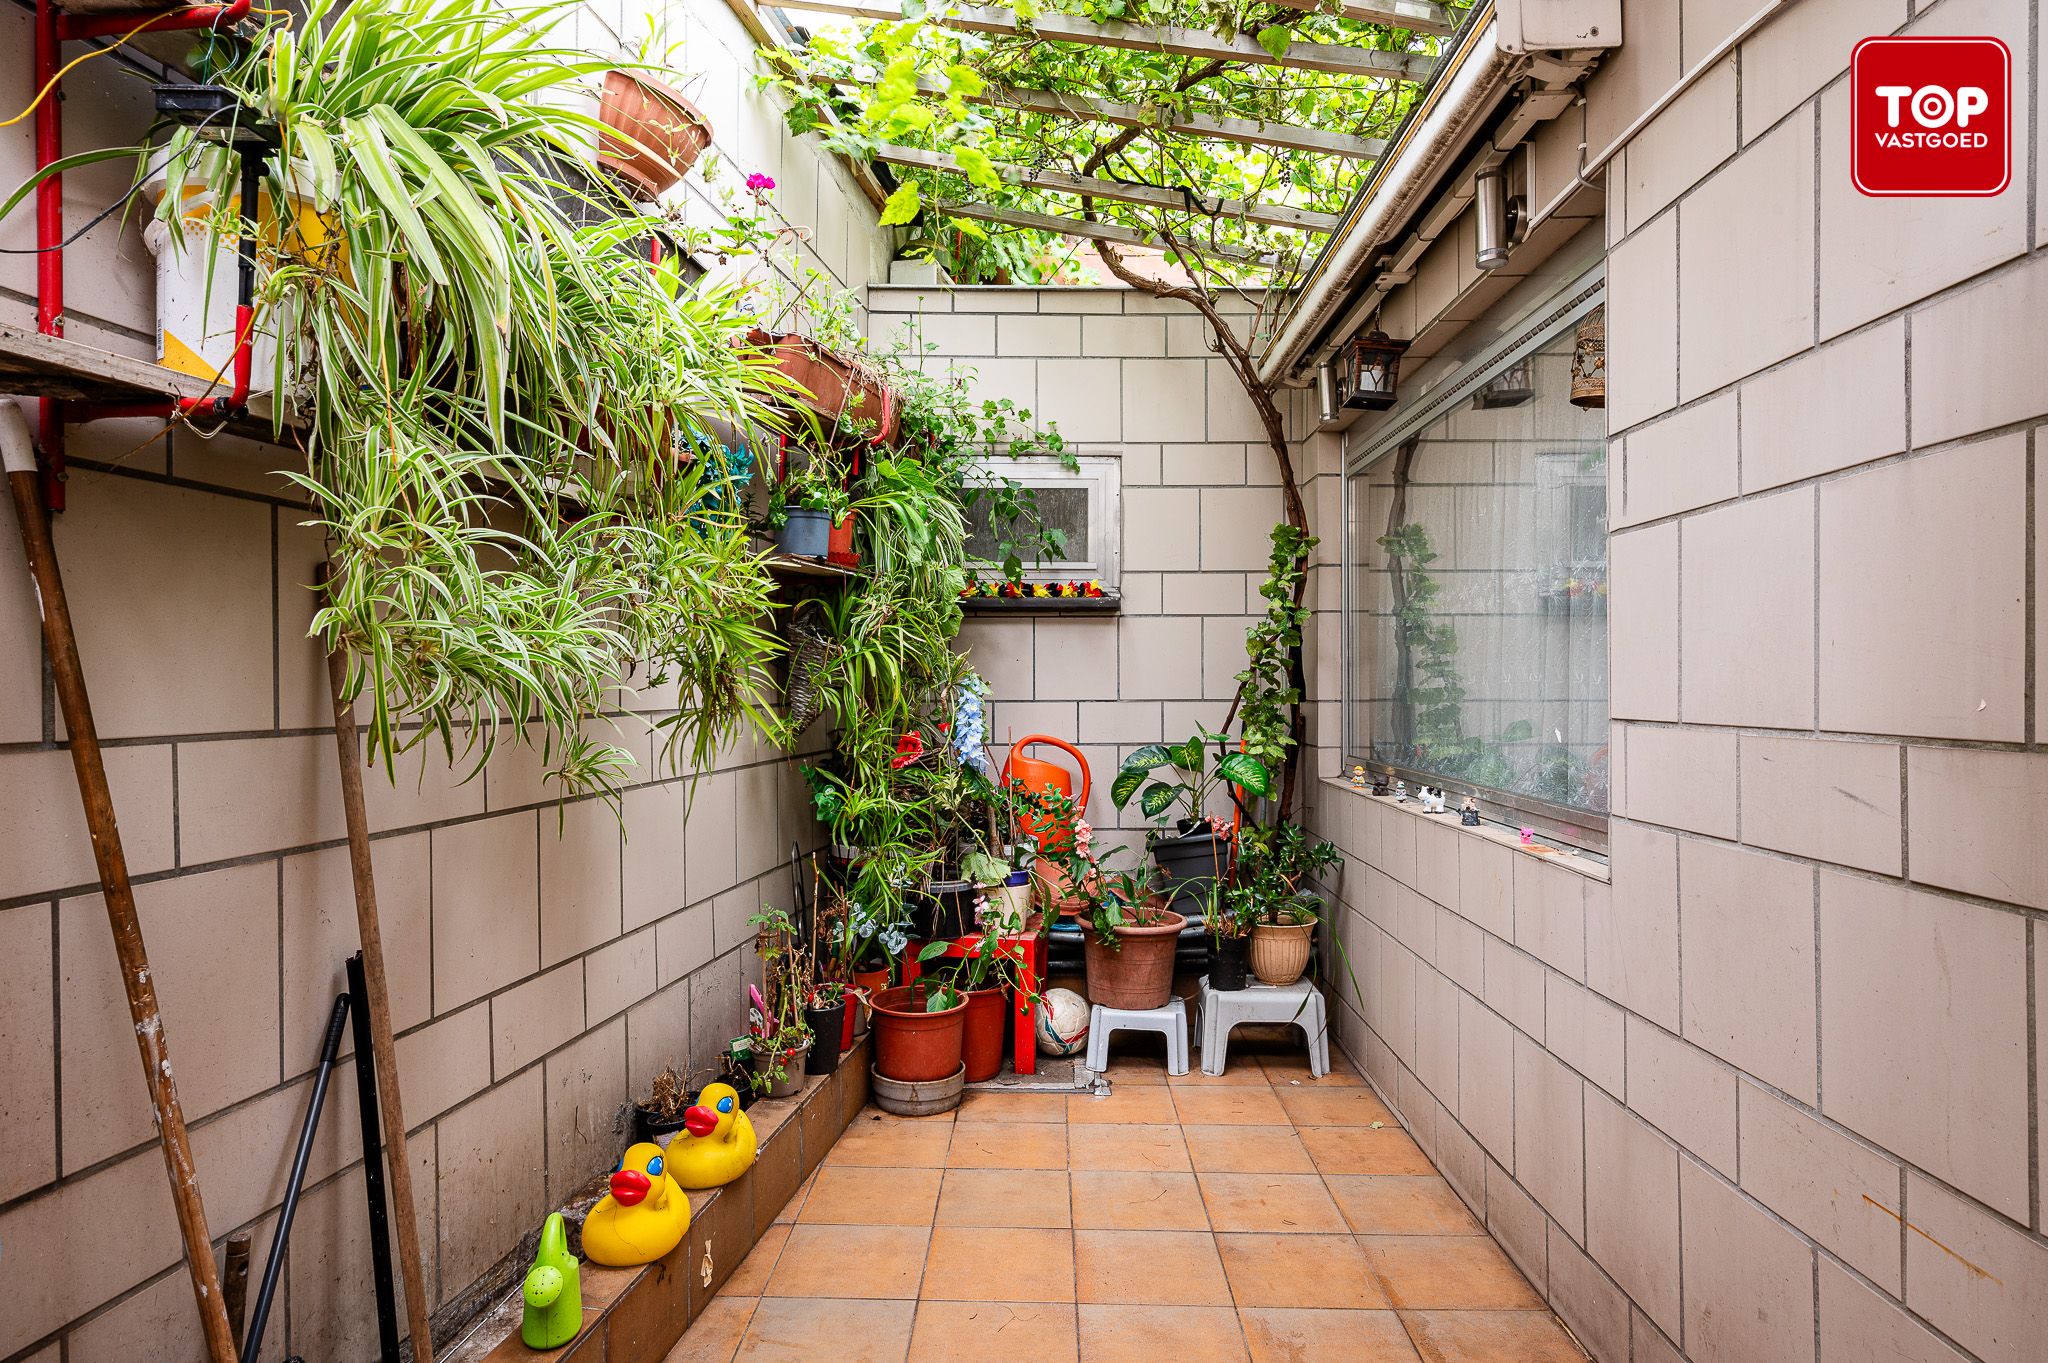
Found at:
[1374, 370]
[1500, 217]
[1511, 387]
[1327, 400]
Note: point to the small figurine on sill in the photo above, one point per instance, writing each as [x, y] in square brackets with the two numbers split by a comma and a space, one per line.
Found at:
[1400, 792]
[1379, 785]
[1468, 813]
[1358, 778]
[1528, 837]
[1433, 800]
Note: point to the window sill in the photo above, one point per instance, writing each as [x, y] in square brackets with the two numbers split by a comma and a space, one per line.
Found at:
[1567, 858]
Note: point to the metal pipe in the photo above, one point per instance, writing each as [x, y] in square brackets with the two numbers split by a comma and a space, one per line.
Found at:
[49, 237]
[330, 1047]
[373, 1165]
[17, 456]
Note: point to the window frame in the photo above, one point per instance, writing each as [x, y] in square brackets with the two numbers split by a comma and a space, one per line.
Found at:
[1102, 474]
[1561, 824]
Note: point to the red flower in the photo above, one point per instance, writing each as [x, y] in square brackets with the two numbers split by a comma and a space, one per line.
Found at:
[909, 748]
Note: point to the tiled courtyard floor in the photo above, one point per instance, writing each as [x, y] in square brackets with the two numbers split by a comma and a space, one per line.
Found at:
[1258, 1218]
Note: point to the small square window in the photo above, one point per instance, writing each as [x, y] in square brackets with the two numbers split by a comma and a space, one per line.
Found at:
[1080, 507]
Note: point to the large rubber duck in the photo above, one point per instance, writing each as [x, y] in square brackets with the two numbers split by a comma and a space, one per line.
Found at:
[717, 1143]
[643, 1216]
[553, 1290]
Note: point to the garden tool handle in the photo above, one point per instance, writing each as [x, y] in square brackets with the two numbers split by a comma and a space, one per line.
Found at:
[1081, 802]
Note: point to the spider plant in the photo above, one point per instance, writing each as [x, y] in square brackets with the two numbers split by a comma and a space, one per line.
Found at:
[493, 388]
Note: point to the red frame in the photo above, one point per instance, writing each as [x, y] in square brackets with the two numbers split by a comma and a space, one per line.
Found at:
[1030, 949]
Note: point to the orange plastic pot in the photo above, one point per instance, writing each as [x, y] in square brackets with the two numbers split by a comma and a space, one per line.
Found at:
[987, 1010]
[912, 1045]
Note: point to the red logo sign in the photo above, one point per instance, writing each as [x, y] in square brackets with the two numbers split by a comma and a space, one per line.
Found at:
[1931, 117]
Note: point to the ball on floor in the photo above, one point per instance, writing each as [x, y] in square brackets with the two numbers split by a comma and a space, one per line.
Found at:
[1061, 1023]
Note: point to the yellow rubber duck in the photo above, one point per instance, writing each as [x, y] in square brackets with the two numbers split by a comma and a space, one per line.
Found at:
[717, 1142]
[643, 1216]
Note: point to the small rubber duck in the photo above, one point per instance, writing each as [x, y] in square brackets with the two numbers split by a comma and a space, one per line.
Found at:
[717, 1143]
[553, 1290]
[643, 1216]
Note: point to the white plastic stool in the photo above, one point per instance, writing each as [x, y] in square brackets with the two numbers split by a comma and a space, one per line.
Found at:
[1299, 1003]
[1170, 1021]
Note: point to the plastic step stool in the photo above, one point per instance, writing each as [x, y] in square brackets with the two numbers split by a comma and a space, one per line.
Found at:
[1299, 1003]
[1170, 1021]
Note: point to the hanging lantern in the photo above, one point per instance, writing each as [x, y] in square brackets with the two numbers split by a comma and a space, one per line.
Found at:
[1374, 371]
[1589, 360]
[1511, 387]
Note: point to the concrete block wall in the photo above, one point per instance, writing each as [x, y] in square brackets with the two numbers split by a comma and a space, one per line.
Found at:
[545, 961]
[1773, 1086]
[1124, 374]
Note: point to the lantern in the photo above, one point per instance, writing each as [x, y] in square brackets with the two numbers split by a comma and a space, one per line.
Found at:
[1374, 370]
[1589, 360]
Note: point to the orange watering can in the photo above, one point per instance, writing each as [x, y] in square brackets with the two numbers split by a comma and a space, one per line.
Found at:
[1037, 775]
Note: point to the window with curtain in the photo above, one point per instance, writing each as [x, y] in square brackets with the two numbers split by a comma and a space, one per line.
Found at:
[1478, 591]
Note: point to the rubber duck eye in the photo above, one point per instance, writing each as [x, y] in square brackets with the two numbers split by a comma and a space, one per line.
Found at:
[725, 1104]
[654, 1167]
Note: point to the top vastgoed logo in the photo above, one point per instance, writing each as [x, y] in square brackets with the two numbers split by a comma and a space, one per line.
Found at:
[1931, 117]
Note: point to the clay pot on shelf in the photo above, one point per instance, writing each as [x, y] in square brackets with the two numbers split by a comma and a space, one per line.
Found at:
[839, 391]
[913, 1045]
[1136, 973]
[1280, 951]
[652, 133]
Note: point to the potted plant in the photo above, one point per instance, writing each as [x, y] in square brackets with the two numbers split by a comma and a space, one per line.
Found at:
[987, 975]
[1055, 864]
[1230, 924]
[1193, 860]
[784, 1035]
[805, 506]
[660, 1113]
[841, 391]
[825, 1016]
[1273, 897]
[1131, 940]
[652, 134]
[920, 1031]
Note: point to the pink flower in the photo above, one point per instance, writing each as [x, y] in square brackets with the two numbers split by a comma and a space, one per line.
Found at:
[1083, 836]
[760, 184]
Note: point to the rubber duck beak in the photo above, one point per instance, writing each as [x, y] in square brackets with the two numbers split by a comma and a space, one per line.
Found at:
[700, 1121]
[629, 1187]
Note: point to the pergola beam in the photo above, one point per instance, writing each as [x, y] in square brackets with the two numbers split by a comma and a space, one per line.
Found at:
[1332, 58]
[1093, 231]
[1248, 131]
[1149, 196]
[1417, 16]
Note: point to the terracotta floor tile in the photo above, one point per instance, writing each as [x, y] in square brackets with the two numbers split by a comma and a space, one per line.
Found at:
[1246, 1150]
[1299, 1271]
[1154, 1147]
[1115, 1200]
[850, 1261]
[1133, 1103]
[993, 1332]
[1242, 1074]
[714, 1337]
[1333, 1106]
[1149, 1268]
[976, 1263]
[875, 1116]
[1401, 1204]
[1439, 1272]
[893, 1145]
[802, 1330]
[752, 1275]
[1012, 1107]
[1290, 1203]
[1303, 1336]
[1364, 1150]
[849, 1195]
[1491, 1337]
[789, 1211]
[1283, 1069]
[1227, 1107]
[1008, 1145]
[1006, 1197]
[1136, 1069]
[1138, 1334]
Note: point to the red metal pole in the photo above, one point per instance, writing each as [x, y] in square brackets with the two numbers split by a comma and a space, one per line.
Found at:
[49, 236]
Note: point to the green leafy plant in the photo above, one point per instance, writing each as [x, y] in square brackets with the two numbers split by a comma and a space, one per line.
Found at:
[1274, 867]
[818, 484]
[1270, 689]
[1164, 776]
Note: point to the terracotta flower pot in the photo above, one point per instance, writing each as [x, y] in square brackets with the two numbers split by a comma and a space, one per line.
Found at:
[653, 133]
[1137, 973]
[1280, 951]
[836, 388]
[912, 1045]
[987, 1010]
[866, 984]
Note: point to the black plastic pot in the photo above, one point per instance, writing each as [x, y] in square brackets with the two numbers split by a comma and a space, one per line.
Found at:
[1191, 863]
[945, 910]
[649, 1126]
[1227, 964]
[806, 534]
[826, 1025]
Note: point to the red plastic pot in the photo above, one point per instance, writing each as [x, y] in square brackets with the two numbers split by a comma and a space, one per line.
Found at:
[912, 1045]
[987, 1010]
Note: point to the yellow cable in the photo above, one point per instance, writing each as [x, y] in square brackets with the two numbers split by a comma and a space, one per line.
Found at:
[44, 93]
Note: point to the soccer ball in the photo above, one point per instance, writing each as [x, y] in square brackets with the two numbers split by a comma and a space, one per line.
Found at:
[1062, 1023]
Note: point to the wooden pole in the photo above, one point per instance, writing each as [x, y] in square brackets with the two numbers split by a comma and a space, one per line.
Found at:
[377, 999]
[136, 978]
